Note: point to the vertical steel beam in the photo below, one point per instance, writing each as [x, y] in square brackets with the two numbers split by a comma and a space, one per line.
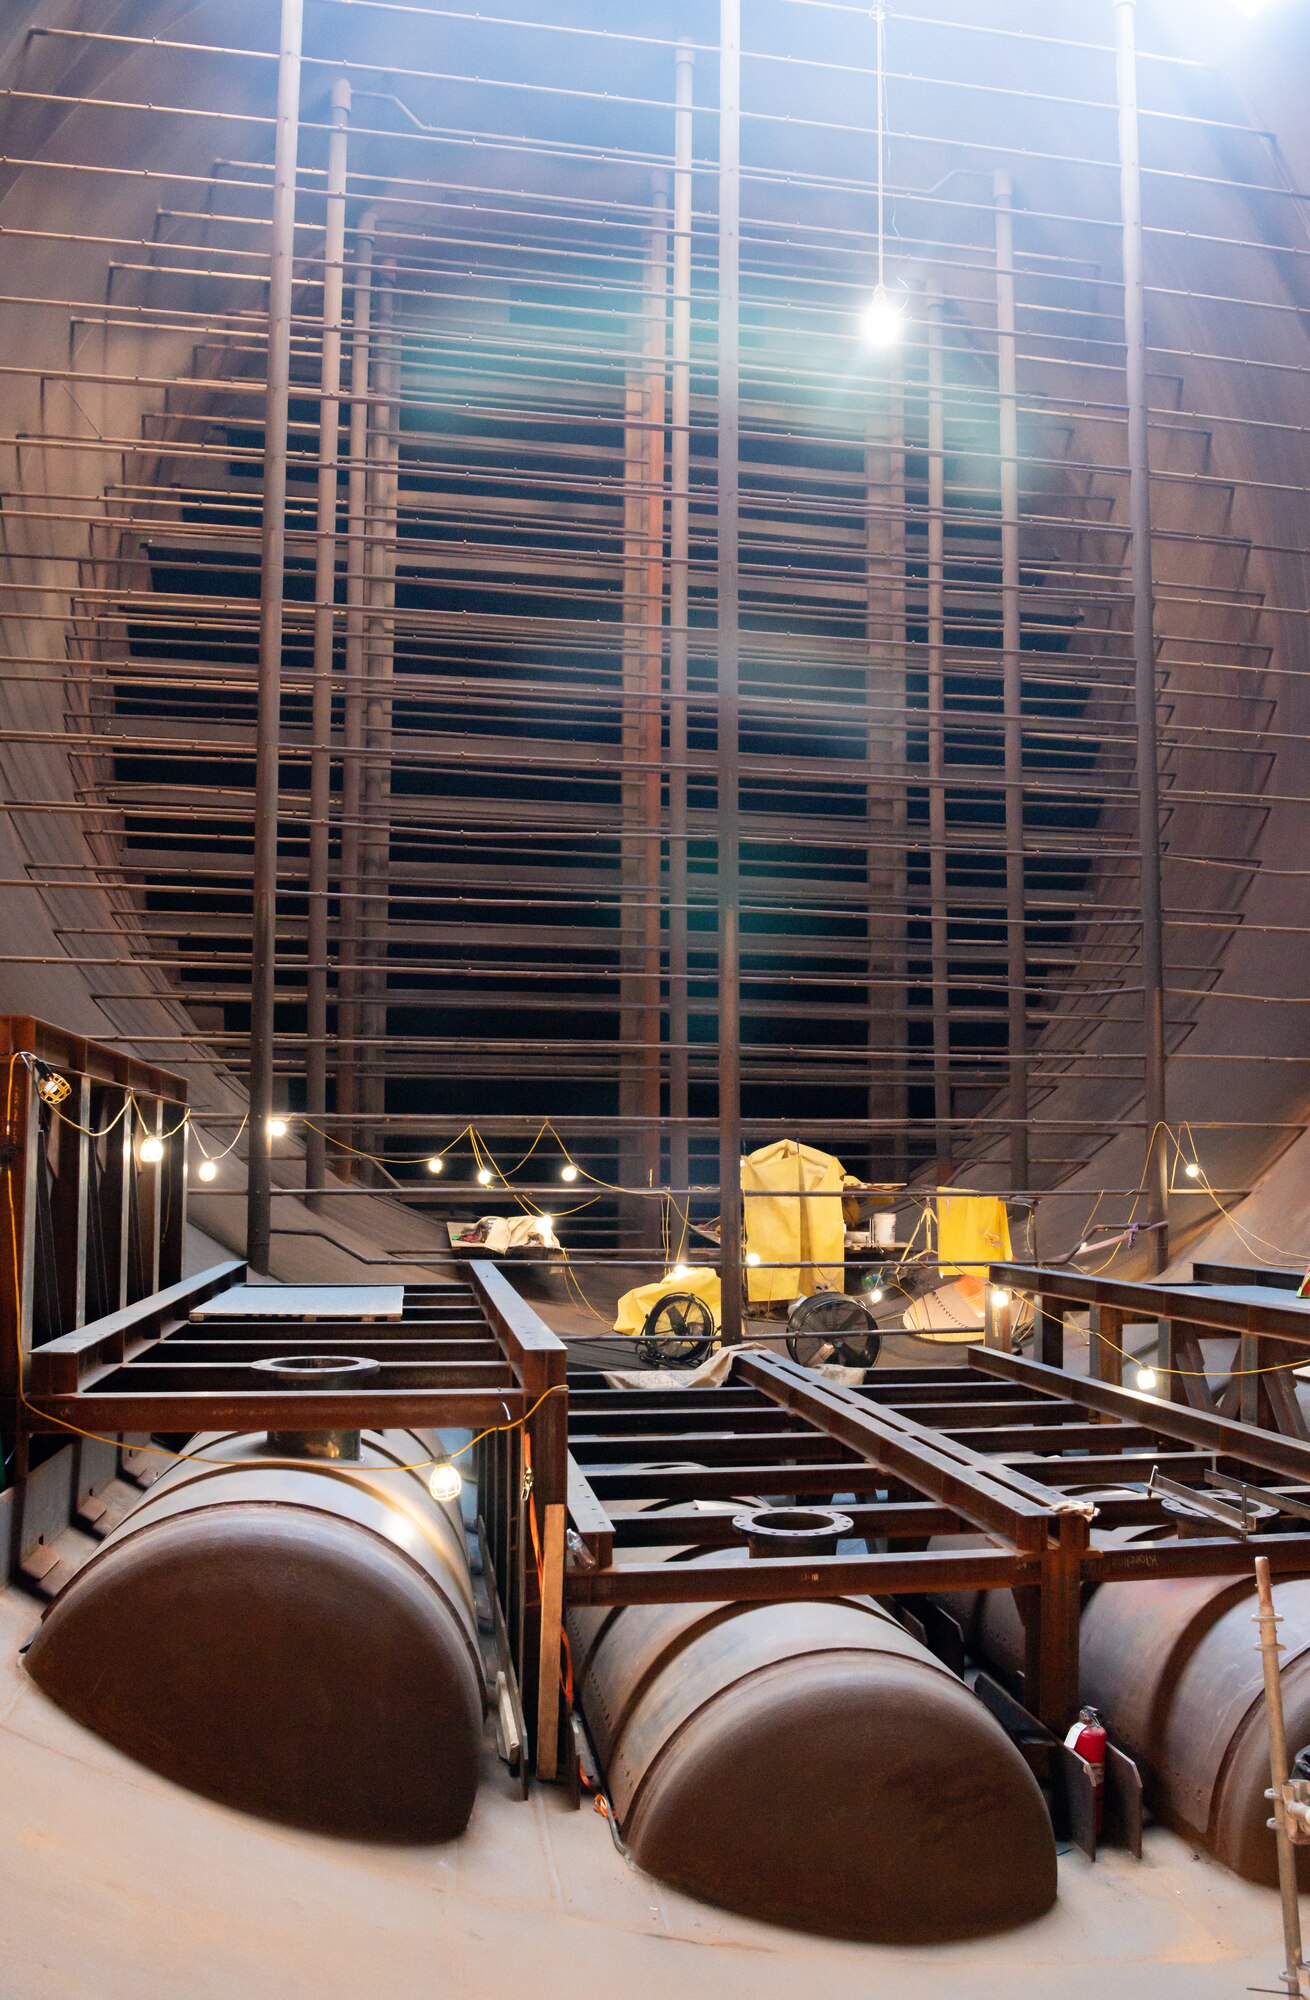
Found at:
[1012, 685]
[679, 614]
[1143, 590]
[885, 608]
[272, 590]
[379, 665]
[643, 647]
[657, 349]
[937, 884]
[729, 666]
[352, 769]
[325, 598]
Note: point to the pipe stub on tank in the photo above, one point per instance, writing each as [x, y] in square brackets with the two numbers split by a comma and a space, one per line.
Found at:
[793, 1531]
[316, 1371]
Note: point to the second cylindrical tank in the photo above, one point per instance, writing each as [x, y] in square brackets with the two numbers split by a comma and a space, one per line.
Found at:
[813, 1765]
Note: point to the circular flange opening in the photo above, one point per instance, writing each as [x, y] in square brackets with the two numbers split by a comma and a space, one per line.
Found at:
[799, 1531]
[316, 1369]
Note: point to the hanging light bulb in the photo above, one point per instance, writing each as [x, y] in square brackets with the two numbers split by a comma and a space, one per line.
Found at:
[1147, 1379]
[277, 1128]
[1000, 1298]
[883, 320]
[444, 1481]
[52, 1088]
[680, 1271]
[753, 1258]
[436, 1164]
[152, 1151]
[484, 1176]
[876, 1296]
[1193, 1170]
[568, 1172]
[207, 1171]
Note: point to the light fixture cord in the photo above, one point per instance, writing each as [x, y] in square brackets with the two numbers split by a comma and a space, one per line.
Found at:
[880, 18]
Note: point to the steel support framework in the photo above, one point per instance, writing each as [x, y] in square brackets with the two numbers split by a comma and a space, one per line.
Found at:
[898, 748]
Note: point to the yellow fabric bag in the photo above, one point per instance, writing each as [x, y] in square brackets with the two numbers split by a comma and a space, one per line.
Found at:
[700, 1280]
[973, 1231]
[805, 1237]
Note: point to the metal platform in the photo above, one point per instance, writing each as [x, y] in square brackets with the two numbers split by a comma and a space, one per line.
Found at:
[1006, 1449]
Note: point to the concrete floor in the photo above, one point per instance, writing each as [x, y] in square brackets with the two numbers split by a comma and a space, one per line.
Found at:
[119, 1886]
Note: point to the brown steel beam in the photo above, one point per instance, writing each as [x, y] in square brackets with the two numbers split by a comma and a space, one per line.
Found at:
[325, 626]
[799, 1578]
[680, 611]
[1012, 683]
[728, 725]
[1168, 1420]
[350, 927]
[641, 753]
[938, 827]
[272, 590]
[1156, 1167]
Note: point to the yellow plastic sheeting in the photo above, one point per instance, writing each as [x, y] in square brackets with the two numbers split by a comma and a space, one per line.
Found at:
[973, 1231]
[804, 1237]
[701, 1281]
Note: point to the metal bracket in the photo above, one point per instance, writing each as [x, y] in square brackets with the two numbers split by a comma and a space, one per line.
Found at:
[1199, 1512]
[1295, 1795]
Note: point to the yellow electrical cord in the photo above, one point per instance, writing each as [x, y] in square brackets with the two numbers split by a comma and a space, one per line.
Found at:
[229, 1148]
[1193, 1374]
[486, 1162]
[166, 1451]
[385, 1159]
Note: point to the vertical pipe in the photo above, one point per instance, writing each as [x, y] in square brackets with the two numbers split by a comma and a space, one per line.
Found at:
[643, 645]
[1268, 1622]
[272, 589]
[884, 485]
[657, 348]
[938, 916]
[729, 665]
[630, 793]
[325, 593]
[1012, 685]
[379, 668]
[352, 769]
[679, 613]
[1143, 588]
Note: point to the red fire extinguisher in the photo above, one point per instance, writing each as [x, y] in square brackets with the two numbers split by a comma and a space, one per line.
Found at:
[1087, 1737]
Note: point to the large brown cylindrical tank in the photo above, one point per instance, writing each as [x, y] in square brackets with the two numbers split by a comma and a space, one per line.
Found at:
[811, 1764]
[1174, 1669]
[293, 1637]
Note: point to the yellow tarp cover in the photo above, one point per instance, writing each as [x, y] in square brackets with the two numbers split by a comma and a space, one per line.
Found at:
[973, 1230]
[701, 1280]
[805, 1238]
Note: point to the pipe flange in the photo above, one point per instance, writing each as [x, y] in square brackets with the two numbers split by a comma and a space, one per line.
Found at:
[316, 1371]
[793, 1531]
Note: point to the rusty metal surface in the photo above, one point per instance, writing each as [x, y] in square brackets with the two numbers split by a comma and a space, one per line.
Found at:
[813, 1765]
[294, 1639]
[1174, 1668]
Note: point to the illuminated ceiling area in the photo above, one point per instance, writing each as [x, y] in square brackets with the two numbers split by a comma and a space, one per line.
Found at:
[720, 683]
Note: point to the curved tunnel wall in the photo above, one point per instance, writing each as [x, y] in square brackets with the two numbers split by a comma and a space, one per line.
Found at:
[1238, 424]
